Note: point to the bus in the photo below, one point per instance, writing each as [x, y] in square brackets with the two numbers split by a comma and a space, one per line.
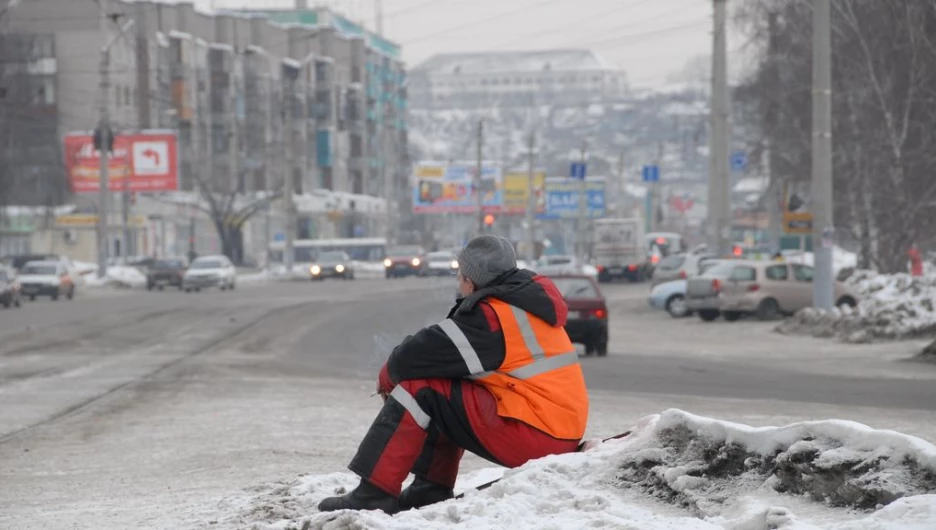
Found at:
[372, 249]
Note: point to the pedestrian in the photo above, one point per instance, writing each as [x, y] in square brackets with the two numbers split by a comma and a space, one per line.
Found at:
[778, 256]
[916, 260]
[498, 377]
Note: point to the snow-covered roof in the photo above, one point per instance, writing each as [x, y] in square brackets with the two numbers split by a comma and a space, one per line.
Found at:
[514, 61]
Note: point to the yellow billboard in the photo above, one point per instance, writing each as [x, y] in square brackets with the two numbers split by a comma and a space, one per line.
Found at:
[516, 192]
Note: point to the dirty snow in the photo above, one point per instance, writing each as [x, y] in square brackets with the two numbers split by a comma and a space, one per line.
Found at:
[676, 470]
[891, 306]
[841, 258]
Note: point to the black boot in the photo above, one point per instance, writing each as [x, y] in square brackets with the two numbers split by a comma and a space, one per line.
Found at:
[423, 493]
[364, 497]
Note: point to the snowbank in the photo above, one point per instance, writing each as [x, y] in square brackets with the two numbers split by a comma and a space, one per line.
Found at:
[117, 276]
[891, 306]
[675, 470]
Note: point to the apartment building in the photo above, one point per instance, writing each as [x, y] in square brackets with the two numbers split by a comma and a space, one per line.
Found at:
[256, 97]
[521, 78]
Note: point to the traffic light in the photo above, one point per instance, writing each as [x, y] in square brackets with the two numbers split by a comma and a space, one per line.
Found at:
[488, 220]
[99, 139]
[737, 251]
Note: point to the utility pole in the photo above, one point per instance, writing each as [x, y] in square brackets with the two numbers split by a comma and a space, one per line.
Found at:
[582, 226]
[288, 143]
[774, 188]
[621, 188]
[823, 222]
[104, 128]
[654, 191]
[719, 213]
[378, 11]
[477, 179]
[531, 197]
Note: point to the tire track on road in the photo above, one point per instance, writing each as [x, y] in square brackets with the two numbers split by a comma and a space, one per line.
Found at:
[211, 345]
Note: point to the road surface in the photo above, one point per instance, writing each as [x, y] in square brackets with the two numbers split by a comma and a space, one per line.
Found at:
[105, 398]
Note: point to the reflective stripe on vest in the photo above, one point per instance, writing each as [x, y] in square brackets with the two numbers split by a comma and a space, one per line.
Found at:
[467, 351]
[409, 403]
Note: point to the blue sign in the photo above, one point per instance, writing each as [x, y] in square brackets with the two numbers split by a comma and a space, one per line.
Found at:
[651, 173]
[738, 161]
[562, 198]
[279, 237]
[577, 170]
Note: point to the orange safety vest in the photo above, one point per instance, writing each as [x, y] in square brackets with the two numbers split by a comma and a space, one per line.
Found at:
[540, 381]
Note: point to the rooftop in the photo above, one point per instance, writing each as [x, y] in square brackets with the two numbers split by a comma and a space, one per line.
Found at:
[564, 60]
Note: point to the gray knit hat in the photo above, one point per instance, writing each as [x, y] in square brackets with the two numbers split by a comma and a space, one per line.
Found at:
[485, 258]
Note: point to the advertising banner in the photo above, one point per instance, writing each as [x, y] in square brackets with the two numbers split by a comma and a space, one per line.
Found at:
[449, 188]
[562, 197]
[797, 219]
[516, 191]
[146, 161]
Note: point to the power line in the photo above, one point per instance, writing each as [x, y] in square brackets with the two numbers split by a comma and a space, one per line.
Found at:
[476, 22]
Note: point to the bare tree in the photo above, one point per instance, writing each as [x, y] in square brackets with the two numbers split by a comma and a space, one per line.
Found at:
[884, 114]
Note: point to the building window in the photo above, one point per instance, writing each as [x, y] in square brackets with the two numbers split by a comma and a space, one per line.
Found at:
[48, 91]
[127, 95]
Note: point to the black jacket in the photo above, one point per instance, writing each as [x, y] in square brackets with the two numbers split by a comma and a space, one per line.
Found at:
[431, 353]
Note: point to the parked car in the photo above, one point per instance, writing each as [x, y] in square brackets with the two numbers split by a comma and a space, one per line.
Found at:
[332, 265]
[46, 278]
[441, 263]
[163, 272]
[404, 261]
[10, 294]
[671, 296]
[561, 265]
[588, 313]
[209, 271]
[767, 289]
[678, 267]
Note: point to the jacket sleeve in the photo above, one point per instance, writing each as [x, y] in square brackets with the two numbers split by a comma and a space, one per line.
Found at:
[459, 346]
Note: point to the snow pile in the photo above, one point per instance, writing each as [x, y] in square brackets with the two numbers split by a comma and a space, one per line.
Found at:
[841, 258]
[890, 306]
[675, 470]
[84, 268]
[117, 276]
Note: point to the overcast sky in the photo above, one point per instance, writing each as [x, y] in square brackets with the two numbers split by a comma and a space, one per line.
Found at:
[648, 39]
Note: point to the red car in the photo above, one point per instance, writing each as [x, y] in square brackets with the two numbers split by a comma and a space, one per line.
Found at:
[588, 313]
[405, 261]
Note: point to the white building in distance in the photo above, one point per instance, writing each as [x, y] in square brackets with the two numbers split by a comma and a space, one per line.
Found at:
[515, 78]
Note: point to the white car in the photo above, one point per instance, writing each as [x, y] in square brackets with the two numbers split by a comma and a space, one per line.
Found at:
[559, 265]
[209, 271]
[441, 263]
[46, 278]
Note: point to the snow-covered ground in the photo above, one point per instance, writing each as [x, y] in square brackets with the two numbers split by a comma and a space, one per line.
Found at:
[676, 470]
[117, 276]
[841, 258]
[891, 306]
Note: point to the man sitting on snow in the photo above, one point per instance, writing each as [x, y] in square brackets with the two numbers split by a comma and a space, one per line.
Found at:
[498, 377]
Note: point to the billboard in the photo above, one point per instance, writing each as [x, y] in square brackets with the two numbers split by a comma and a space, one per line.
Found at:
[562, 197]
[449, 188]
[797, 219]
[146, 161]
[516, 191]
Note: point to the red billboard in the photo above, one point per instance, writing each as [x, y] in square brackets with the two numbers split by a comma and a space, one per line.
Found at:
[147, 161]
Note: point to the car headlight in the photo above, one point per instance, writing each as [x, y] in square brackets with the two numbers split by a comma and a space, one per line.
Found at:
[339, 268]
[315, 269]
[416, 262]
[387, 262]
[454, 264]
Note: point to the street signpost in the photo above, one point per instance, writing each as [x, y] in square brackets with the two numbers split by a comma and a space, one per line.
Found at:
[738, 161]
[578, 170]
[651, 173]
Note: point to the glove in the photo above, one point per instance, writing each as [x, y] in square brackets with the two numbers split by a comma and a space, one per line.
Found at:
[384, 383]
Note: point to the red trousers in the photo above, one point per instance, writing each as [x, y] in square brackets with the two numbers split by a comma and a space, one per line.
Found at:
[426, 425]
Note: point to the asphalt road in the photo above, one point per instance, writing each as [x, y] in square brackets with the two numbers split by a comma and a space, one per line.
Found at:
[104, 343]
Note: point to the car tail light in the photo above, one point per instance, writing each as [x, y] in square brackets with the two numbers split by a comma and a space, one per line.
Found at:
[598, 313]
[682, 275]
[632, 267]
[716, 285]
[600, 268]
[754, 288]
[655, 259]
